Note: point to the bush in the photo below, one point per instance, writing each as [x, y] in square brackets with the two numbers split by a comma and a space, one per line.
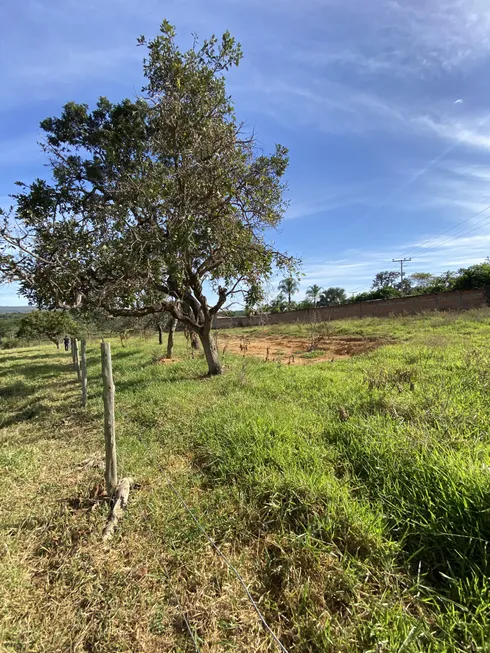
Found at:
[9, 343]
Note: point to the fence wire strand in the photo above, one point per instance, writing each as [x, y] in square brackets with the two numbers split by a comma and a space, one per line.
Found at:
[182, 613]
[213, 544]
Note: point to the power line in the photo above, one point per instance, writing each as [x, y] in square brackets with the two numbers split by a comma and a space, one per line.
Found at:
[458, 233]
[450, 229]
[215, 547]
[447, 240]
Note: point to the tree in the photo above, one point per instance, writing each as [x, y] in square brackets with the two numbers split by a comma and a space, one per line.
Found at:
[150, 199]
[333, 296]
[48, 324]
[385, 279]
[289, 286]
[474, 276]
[383, 293]
[279, 304]
[421, 280]
[163, 322]
[313, 293]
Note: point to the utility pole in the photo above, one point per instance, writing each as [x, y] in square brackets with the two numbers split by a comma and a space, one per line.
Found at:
[401, 261]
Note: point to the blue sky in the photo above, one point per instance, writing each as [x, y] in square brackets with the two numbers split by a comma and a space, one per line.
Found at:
[384, 106]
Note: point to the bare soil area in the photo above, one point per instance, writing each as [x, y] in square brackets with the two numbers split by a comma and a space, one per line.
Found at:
[297, 351]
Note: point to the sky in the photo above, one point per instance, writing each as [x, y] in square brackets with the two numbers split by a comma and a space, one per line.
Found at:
[384, 106]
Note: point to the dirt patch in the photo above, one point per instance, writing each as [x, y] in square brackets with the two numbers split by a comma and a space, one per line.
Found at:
[297, 351]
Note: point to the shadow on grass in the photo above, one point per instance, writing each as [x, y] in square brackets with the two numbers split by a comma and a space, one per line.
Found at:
[10, 359]
[36, 370]
[126, 353]
[137, 385]
[25, 414]
[17, 389]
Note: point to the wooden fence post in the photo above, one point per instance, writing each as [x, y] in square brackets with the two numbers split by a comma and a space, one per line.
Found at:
[83, 361]
[109, 420]
[77, 359]
[72, 345]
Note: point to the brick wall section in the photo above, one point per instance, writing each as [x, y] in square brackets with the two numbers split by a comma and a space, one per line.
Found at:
[455, 300]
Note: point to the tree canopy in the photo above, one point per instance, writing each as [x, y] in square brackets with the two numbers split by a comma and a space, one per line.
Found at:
[52, 325]
[333, 296]
[149, 199]
[385, 279]
[313, 292]
[289, 286]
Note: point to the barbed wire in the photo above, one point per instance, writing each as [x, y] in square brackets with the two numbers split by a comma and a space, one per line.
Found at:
[210, 540]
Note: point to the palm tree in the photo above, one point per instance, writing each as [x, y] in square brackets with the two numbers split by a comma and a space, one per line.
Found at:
[289, 286]
[313, 292]
[332, 297]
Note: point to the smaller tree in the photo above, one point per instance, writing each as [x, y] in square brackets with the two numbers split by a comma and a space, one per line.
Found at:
[421, 280]
[385, 279]
[474, 276]
[313, 292]
[279, 304]
[289, 286]
[333, 297]
[52, 325]
[383, 293]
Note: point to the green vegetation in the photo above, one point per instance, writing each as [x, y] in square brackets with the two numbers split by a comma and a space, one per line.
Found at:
[386, 285]
[352, 495]
[52, 325]
[150, 203]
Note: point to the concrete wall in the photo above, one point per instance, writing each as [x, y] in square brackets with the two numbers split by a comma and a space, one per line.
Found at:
[454, 300]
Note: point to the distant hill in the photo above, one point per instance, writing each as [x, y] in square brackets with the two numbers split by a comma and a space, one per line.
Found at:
[16, 309]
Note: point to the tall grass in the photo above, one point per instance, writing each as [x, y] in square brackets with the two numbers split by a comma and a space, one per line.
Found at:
[353, 495]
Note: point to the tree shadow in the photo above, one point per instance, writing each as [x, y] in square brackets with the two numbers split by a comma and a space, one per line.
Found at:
[36, 370]
[126, 353]
[30, 411]
[10, 359]
[16, 389]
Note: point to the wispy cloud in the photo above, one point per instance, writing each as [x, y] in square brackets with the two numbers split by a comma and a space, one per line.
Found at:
[444, 253]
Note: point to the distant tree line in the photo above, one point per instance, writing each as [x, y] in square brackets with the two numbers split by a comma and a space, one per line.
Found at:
[386, 285]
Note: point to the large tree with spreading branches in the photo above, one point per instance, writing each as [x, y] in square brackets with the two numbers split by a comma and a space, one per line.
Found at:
[153, 205]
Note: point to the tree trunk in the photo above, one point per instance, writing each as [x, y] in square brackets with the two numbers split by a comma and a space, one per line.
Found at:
[170, 342]
[194, 340]
[57, 344]
[211, 352]
[160, 335]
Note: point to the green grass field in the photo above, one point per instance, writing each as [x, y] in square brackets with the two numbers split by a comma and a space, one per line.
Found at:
[353, 496]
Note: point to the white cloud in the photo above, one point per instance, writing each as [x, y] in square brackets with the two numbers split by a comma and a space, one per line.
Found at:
[399, 38]
[443, 253]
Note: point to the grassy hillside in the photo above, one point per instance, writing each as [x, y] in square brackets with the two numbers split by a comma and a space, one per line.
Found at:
[353, 496]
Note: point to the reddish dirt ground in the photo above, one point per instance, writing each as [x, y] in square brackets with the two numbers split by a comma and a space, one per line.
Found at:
[297, 351]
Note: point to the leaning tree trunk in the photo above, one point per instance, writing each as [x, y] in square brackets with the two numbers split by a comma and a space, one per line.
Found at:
[160, 335]
[170, 342]
[211, 352]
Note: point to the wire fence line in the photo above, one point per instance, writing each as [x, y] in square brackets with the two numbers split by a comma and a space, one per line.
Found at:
[216, 548]
[192, 634]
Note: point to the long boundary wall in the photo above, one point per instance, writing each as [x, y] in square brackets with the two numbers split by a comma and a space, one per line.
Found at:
[448, 301]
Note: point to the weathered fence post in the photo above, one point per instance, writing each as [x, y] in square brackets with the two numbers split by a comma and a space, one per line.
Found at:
[118, 492]
[76, 358]
[109, 420]
[72, 345]
[83, 361]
